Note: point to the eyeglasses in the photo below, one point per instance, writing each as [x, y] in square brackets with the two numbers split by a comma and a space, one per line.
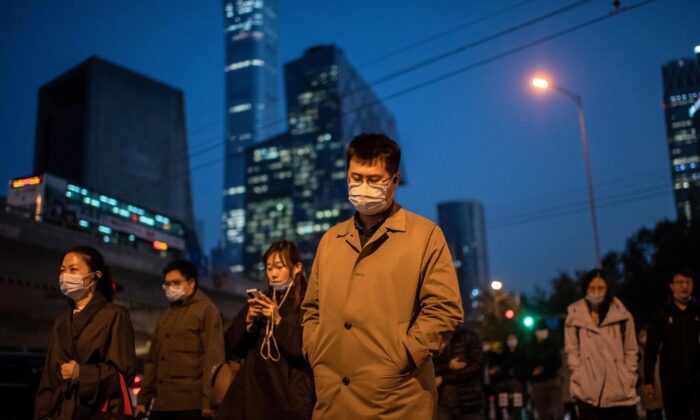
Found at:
[682, 282]
[372, 181]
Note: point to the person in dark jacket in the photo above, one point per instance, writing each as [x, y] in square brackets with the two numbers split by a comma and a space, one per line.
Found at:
[458, 373]
[674, 335]
[90, 359]
[513, 376]
[187, 344]
[275, 381]
[544, 362]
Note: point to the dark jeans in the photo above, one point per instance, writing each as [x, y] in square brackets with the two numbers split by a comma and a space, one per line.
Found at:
[589, 412]
[681, 401]
[444, 413]
[655, 414]
[176, 415]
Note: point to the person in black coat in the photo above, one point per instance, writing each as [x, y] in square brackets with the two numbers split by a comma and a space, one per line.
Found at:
[458, 372]
[544, 359]
[275, 381]
[90, 358]
[674, 335]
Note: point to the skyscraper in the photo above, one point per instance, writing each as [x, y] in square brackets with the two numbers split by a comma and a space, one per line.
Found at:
[464, 226]
[251, 107]
[297, 182]
[109, 129]
[681, 107]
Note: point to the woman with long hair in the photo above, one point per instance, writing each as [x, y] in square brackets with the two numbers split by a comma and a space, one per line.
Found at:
[90, 358]
[275, 381]
[601, 350]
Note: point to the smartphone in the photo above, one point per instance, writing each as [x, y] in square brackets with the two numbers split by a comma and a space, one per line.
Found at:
[252, 293]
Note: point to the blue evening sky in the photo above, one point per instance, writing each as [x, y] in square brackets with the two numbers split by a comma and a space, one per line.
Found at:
[482, 134]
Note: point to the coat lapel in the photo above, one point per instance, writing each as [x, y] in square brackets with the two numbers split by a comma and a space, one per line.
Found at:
[83, 318]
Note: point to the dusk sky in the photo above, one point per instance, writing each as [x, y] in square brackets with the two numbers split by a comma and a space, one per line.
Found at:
[481, 134]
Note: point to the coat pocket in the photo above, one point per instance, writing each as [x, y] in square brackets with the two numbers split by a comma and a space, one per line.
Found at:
[402, 357]
[185, 361]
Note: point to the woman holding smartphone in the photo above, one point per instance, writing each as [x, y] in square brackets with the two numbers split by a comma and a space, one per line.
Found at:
[275, 381]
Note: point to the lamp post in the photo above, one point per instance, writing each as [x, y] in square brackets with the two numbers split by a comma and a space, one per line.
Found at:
[544, 84]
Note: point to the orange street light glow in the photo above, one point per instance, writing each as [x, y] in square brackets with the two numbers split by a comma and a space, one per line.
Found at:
[540, 83]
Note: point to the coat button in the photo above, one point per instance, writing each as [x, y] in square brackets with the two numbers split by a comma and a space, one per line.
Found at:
[167, 335]
[346, 381]
[348, 325]
[162, 358]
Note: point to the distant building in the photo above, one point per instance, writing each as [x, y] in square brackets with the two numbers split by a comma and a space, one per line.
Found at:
[252, 109]
[682, 108]
[297, 182]
[464, 226]
[111, 130]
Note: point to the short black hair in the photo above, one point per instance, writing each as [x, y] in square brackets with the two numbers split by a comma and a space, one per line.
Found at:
[683, 271]
[369, 147]
[186, 268]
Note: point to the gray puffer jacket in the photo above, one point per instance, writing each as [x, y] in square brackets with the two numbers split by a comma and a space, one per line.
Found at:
[603, 363]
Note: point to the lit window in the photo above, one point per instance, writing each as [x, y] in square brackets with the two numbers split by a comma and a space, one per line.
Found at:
[240, 108]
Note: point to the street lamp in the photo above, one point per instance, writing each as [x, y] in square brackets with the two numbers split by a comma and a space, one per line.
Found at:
[496, 285]
[542, 83]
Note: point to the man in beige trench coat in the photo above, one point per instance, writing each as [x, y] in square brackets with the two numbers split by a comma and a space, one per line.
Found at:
[382, 299]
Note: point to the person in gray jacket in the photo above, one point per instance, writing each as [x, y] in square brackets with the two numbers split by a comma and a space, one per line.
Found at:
[601, 350]
[187, 344]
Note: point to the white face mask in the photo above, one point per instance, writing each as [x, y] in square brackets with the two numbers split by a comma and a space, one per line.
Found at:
[541, 335]
[367, 199]
[595, 300]
[512, 343]
[72, 285]
[282, 286]
[174, 293]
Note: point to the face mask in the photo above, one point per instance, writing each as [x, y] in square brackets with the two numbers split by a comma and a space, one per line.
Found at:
[542, 335]
[367, 200]
[681, 299]
[595, 300]
[281, 287]
[174, 293]
[72, 285]
[486, 347]
[512, 343]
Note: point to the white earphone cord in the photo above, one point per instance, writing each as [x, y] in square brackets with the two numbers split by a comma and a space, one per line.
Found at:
[266, 349]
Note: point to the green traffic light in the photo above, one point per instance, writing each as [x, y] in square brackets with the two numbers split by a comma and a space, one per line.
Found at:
[528, 321]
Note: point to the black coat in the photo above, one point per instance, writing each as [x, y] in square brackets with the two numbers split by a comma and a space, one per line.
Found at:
[546, 354]
[674, 335]
[100, 338]
[461, 389]
[265, 389]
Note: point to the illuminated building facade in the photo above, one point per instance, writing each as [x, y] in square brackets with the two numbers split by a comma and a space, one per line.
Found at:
[682, 111]
[252, 104]
[111, 130]
[296, 182]
[464, 226]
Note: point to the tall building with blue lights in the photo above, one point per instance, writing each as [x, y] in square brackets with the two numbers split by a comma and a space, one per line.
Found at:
[464, 226]
[296, 182]
[252, 113]
[682, 111]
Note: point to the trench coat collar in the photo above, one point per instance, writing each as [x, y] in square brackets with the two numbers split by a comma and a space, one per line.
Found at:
[81, 319]
[396, 222]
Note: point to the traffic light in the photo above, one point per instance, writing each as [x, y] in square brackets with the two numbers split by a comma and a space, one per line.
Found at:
[509, 313]
[529, 322]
